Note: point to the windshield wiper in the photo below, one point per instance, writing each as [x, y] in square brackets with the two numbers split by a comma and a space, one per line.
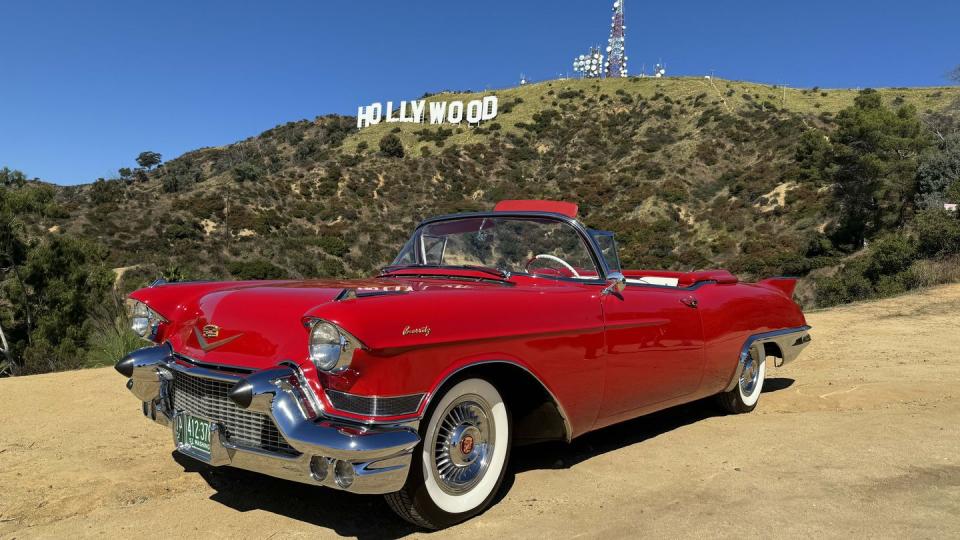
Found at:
[486, 269]
[502, 274]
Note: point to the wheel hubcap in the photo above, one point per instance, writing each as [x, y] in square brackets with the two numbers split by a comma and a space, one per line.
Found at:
[463, 444]
[750, 375]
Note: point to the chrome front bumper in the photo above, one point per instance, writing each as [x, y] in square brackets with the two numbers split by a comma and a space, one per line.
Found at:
[377, 456]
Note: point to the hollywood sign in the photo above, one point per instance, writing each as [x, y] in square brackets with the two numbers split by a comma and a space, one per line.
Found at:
[436, 112]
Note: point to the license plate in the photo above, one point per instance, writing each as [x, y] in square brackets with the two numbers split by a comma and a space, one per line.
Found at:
[193, 434]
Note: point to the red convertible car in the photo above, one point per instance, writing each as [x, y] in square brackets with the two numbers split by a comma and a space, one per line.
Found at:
[489, 330]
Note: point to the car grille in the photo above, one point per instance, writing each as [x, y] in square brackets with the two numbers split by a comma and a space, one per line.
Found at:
[207, 399]
[375, 406]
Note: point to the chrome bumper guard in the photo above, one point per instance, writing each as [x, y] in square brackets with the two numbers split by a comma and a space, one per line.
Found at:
[790, 341]
[335, 453]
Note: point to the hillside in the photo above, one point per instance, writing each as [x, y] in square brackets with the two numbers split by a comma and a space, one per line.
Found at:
[688, 172]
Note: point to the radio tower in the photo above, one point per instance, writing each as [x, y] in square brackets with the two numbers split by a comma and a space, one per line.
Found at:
[616, 55]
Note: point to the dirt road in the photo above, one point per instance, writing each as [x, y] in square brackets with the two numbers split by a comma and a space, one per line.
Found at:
[861, 436]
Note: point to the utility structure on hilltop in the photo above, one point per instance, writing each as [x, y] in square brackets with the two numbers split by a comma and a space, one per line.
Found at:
[589, 65]
[616, 53]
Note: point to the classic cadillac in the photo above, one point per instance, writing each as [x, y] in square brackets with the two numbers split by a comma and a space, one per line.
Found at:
[489, 330]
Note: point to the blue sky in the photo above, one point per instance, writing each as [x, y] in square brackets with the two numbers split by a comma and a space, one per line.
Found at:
[85, 86]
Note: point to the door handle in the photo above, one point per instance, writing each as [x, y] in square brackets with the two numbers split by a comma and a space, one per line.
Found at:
[689, 301]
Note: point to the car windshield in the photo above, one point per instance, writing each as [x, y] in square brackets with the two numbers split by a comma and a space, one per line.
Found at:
[533, 245]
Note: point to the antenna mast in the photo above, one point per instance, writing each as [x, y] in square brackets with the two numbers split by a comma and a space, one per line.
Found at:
[616, 53]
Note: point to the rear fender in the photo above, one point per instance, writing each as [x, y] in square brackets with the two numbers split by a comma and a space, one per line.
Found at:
[782, 284]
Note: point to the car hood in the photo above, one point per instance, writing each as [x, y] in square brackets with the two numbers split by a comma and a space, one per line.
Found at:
[259, 324]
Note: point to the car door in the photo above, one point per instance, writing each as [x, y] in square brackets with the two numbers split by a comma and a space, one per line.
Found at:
[653, 347]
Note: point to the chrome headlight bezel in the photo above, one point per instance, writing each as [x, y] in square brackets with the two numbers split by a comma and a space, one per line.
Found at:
[144, 321]
[329, 347]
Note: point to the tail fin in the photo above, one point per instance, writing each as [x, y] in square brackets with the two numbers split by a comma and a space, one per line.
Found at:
[782, 284]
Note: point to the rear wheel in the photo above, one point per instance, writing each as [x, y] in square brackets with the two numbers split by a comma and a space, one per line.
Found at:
[460, 464]
[744, 397]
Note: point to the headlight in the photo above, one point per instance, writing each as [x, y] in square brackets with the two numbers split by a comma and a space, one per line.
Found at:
[326, 345]
[143, 320]
[330, 347]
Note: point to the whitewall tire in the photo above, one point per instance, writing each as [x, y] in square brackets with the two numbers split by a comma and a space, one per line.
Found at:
[462, 458]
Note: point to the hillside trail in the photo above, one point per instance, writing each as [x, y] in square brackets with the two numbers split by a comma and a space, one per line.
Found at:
[860, 436]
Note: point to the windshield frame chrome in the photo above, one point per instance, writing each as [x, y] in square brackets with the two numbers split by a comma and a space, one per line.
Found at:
[592, 247]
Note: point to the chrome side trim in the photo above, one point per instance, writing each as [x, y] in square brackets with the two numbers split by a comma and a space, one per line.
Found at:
[790, 341]
[567, 428]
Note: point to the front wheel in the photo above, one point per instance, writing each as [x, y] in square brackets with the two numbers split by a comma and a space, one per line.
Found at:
[744, 397]
[460, 464]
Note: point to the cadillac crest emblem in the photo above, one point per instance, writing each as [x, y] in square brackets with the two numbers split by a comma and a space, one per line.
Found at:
[466, 445]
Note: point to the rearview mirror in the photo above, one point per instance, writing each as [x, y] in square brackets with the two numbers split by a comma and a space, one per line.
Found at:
[616, 283]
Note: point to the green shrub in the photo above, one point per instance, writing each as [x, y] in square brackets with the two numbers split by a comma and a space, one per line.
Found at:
[247, 172]
[107, 191]
[333, 245]
[938, 232]
[256, 269]
[111, 337]
[889, 255]
[391, 146]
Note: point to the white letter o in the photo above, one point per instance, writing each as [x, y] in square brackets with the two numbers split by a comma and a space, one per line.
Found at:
[455, 112]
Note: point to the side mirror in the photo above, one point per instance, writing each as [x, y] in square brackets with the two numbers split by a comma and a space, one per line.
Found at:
[616, 283]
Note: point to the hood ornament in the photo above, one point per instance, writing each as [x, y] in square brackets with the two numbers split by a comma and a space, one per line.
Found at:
[211, 331]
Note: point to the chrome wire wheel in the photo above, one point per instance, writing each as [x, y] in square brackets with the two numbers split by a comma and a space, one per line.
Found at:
[463, 444]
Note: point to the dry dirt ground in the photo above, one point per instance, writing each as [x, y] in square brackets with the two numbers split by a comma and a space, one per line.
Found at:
[861, 436]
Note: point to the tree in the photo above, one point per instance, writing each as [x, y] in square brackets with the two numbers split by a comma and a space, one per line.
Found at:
[939, 171]
[7, 366]
[954, 74]
[875, 155]
[13, 255]
[148, 159]
[65, 281]
[391, 146]
[247, 172]
[937, 232]
[49, 284]
[106, 191]
[12, 178]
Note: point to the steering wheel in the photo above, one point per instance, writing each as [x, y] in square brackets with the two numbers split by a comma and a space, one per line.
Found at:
[555, 259]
